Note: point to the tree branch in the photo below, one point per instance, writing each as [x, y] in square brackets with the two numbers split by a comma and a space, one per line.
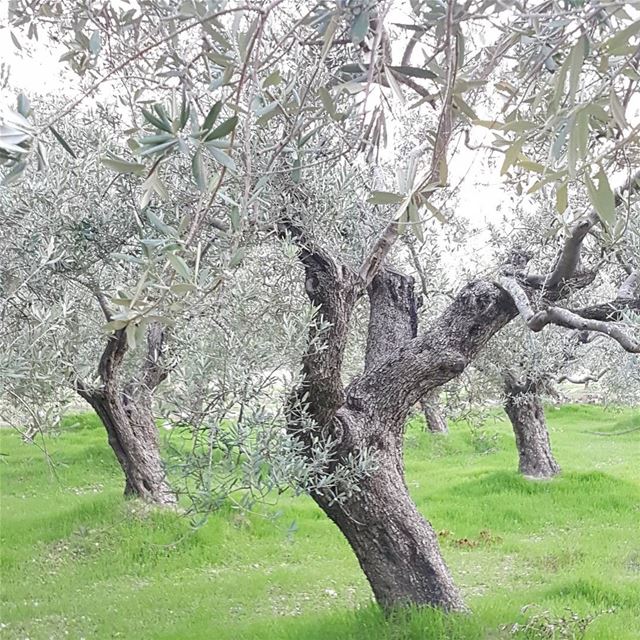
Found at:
[569, 258]
[587, 377]
[536, 321]
[104, 305]
[112, 358]
[83, 390]
[430, 360]
[381, 247]
[518, 296]
[613, 311]
[609, 311]
[379, 252]
[333, 288]
[154, 367]
[570, 320]
[393, 315]
[630, 285]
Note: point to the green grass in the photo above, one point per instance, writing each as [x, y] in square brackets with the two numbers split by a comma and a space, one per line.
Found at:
[79, 562]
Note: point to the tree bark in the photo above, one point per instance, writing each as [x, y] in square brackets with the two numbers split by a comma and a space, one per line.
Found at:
[393, 315]
[523, 405]
[393, 319]
[133, 437]
[127, 415]
[396, 547]
[433, 416]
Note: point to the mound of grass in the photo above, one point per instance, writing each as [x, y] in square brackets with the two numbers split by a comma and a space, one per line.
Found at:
[78, 561]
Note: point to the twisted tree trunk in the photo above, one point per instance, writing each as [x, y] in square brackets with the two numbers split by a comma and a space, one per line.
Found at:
[396, 547]
[133, 437]
[523, 405]
[126, 413]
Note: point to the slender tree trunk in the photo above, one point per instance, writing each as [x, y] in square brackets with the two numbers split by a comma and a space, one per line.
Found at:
[523, 405]
[433, 416]
[126, 413]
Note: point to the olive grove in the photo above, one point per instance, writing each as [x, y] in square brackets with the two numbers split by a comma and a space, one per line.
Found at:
[293, 145]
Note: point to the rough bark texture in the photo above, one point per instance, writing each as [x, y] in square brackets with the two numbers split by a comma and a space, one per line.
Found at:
[523, 405]
[393, 315]
[126, 413]
[433, 416]
[393, 320]
[396, 547]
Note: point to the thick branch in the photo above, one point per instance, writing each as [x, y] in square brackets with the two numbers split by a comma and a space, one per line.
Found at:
[420, 365]
[612, 311]
[570, 255]
[379, 252]
[112, 358]
[154, 367]
[393, 316]
[84, 390]
[104, 305]
[518, 296]
[333, 289]
[583, 379]
[570, 320]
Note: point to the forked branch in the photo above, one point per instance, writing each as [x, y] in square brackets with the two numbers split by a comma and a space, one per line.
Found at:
[536, 321]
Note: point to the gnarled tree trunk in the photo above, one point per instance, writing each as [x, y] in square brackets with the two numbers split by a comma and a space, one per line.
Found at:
[523, 405]
[126, 413]
[396, 547]
[133, 436]
[433, 416]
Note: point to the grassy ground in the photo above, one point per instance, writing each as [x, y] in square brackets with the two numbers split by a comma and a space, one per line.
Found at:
[79, 562]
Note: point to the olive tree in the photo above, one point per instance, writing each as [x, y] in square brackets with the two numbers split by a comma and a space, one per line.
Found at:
[303, 92]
